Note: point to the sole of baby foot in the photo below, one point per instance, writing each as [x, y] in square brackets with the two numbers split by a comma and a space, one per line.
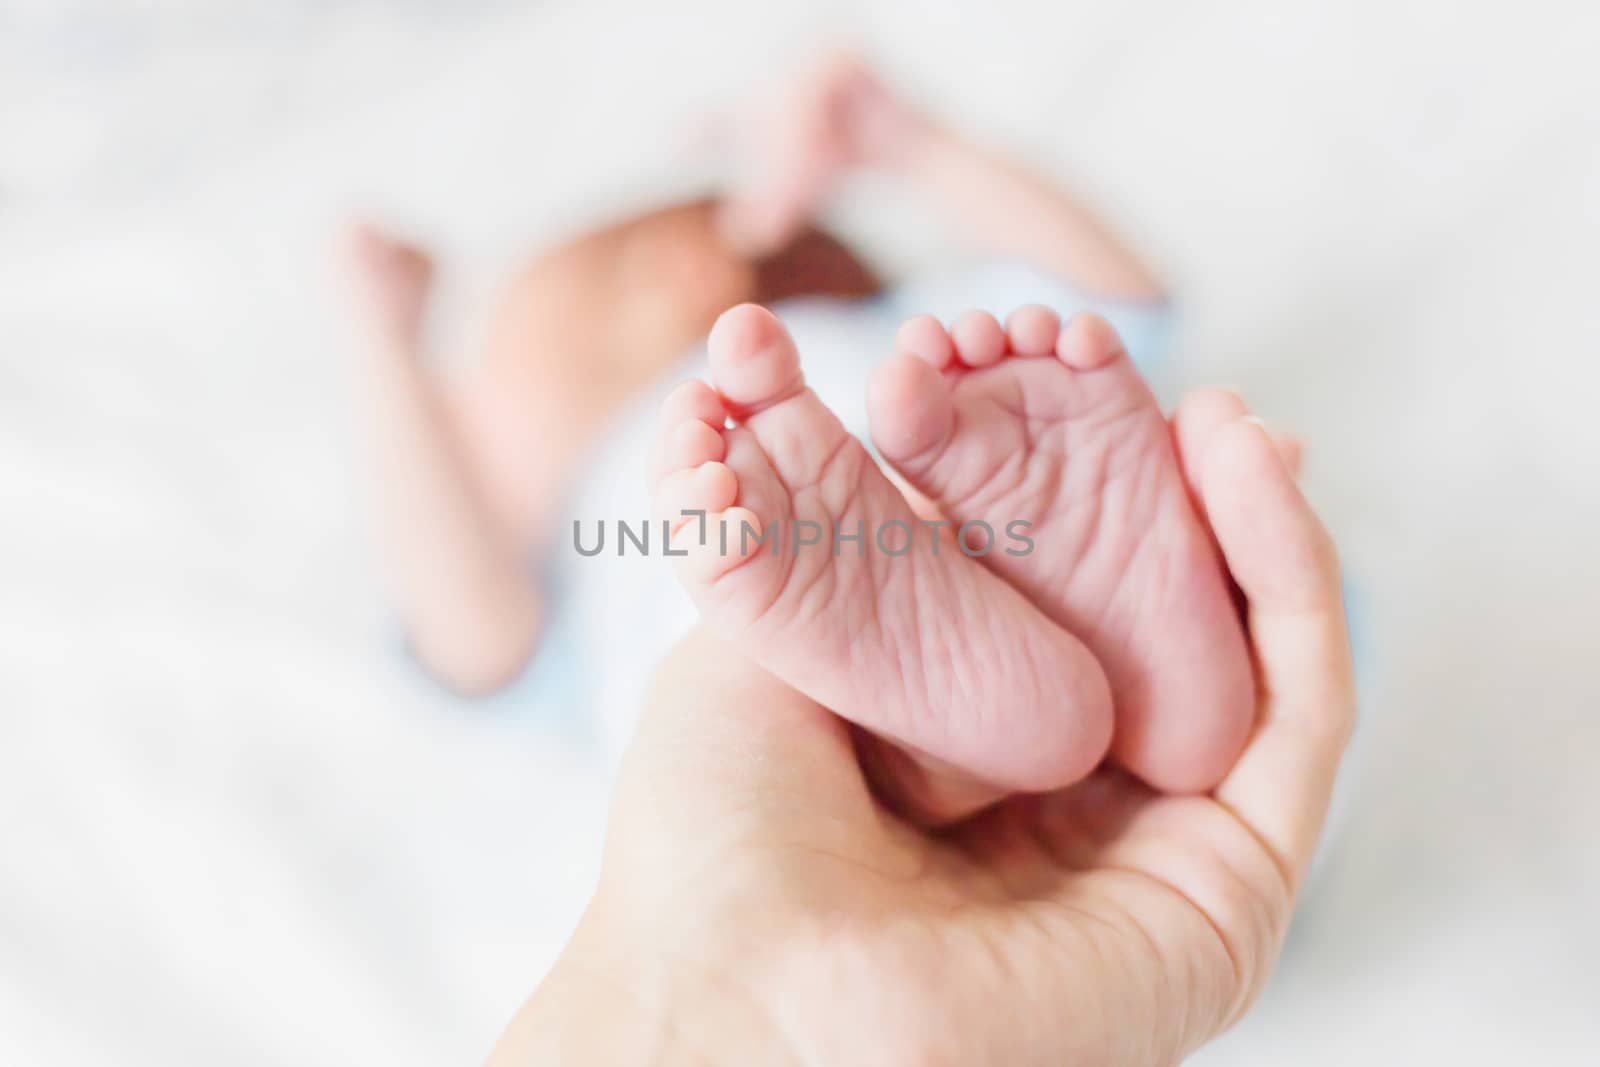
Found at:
[803, 555]
[1050, 429]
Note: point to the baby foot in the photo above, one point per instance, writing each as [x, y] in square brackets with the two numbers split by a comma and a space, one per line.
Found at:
[1053, 426]
[854, 600]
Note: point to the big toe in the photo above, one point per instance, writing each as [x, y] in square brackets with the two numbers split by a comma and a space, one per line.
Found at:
[909, 410]
[754, 362]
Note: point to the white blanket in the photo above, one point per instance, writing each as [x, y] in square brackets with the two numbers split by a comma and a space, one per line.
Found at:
[236, 828]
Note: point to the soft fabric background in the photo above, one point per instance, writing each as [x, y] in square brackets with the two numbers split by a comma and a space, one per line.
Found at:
[235, 828]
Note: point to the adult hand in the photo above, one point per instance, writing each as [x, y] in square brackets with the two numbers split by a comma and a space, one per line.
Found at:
[758, 905]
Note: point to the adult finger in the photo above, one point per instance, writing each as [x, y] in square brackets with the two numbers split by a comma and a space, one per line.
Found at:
[1196, 419]
[1200, 414]
[1291, 449]
[1284, 562]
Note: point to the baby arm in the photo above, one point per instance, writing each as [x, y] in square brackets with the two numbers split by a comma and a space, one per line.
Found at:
[455, 569]
[840, 116]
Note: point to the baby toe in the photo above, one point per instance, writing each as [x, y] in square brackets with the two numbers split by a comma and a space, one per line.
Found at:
[693, 399]
[691, 421]
[685, 445]
[926, 338]
[978, 338]
[1088, 342]
[691, 444]
[753, 360]
[685, 497]
[1032, 329]
[909, 408]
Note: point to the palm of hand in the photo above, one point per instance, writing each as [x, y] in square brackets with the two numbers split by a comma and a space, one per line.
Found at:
[1103, 924]
[1167, 909]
